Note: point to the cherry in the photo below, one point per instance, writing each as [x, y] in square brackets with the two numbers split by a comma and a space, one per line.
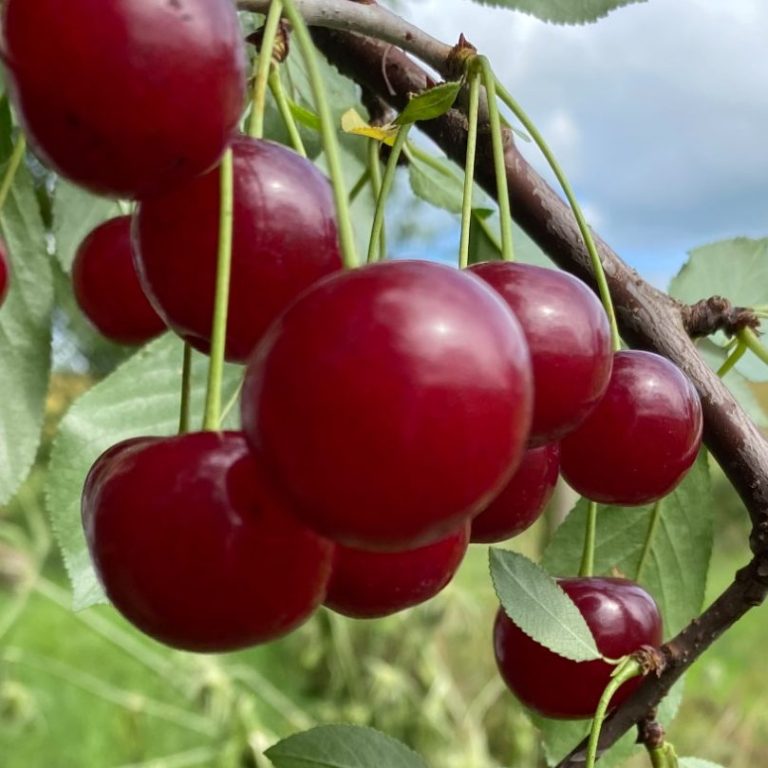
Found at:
[125, 97]
[642, 438]
[392, 402]
[522, 499]
[107, 287]
[623, 617]
[569, 338]
[5, 271]
[366, 585]
[284, 240]
[195, 548]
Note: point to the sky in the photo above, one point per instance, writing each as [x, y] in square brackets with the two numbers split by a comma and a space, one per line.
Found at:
[658, 114]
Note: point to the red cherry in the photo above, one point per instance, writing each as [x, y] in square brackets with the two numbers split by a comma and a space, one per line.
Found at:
[195, 548]
[569, 338]
[107, 287]
[5, 271]
[522, 499]
[284, 240]
[391, 402]
[367, 585]
[641, 439]
[125, 97]
[623, 617]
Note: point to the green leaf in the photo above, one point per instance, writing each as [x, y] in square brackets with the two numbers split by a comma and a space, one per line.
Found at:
[430, 104]
[562, 11]
[675, 572]
[25, 335]
[539, 607]
[696, 762]
[484, 242]
[342, 746]
[141, 397]
[436, 182]
[75, 213]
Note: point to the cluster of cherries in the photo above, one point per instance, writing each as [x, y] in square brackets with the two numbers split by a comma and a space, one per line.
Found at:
[391, 414]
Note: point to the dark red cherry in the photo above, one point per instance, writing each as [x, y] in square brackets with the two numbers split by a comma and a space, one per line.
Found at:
[195, 548]
[623, 617]
[522, 499]
[569, 338]
[128, 96]
[391, 402]
[367, 585]
[5, 271]
[284, 240]
[107, 287]
[642, 438]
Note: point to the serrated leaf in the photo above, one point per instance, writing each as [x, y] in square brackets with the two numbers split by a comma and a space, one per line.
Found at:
[352, 122]
[539, 607]
[675, 572]
[141, 397]
[25, 335]
[75, 213]
[342, 746]
[430, 104]
[562, 11]
[696, 762]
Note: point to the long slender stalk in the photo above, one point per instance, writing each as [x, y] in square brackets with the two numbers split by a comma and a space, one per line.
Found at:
[374, 174]
[588, 554]
[186, 387]
[751, 340]
[738, 352]
[469, 168]
[278, 94]
[13, 166]
[263, 66]
[653, 525]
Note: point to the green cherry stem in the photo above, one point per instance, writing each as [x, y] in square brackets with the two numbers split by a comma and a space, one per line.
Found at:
[738, 352]
[626, 670]
[586, 233]
[328, 132]
[497, 140]
[263, 66]
[751, 340]
[653, 525]
[469, 168]
[663, 756]
[13, 165]
[212, 417]
[359, 185]
[374, 174]
[186, 386]
[588, 555]
[278, 94]
[386, 188]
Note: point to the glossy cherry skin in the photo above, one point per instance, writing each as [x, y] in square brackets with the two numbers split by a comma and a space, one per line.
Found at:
[127, 96]
[642, 438]
[391, 401]
[623, 617]
[284, 239]
[5, 272]
[522, 500]
[195, 548]
[368, 585]
[569, 338]
[107, 287]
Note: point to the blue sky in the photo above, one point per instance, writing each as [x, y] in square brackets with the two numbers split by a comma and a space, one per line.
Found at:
[659, 114]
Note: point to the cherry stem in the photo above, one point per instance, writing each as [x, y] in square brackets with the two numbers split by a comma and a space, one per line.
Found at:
[386, 188]
[263, 66]
[751, 340]
[469, 168]
[497, 140]
[359, 186]
[328, 132]
[626, 670]
[586, 233]
[13, 165]
[374, 174]
[278, 94]
[232, 401]
[656, 513]
[212, 417]
[588, 555]
[186, 386]
[738, 352]
[663, 756]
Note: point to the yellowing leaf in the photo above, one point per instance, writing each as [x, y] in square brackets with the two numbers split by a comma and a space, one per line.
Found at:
[352, 122]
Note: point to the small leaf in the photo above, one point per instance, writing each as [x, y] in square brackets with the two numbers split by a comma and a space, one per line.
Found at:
[352, 122]
[539, 607]
[342, 746]
[430, 104]
[562, 11]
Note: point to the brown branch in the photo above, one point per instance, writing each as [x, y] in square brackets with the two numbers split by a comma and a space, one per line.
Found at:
[648, 318]
[717, 314]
